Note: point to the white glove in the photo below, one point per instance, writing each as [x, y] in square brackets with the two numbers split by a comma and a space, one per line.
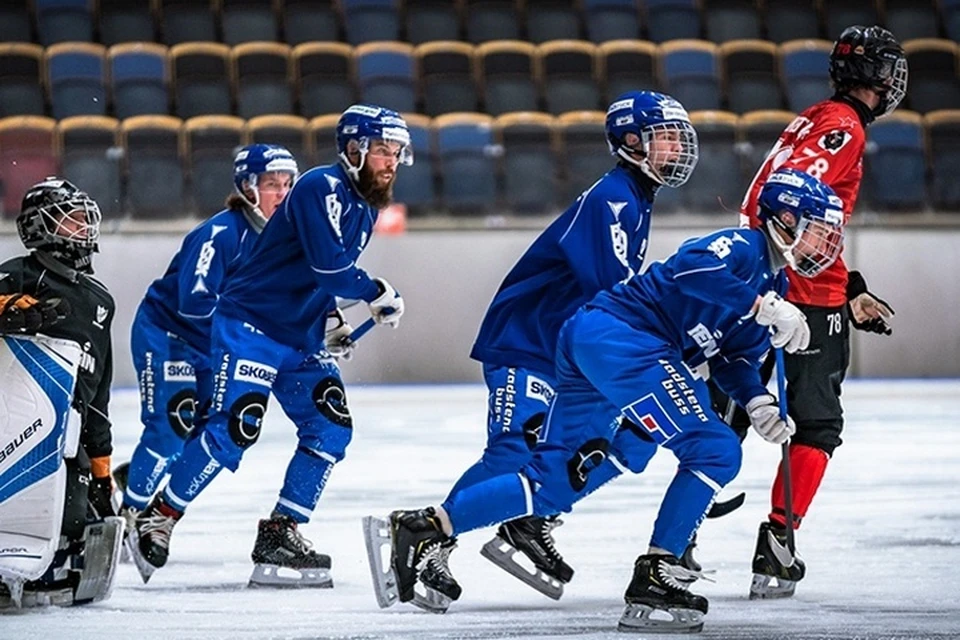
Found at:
[790, 329]
[388, 307]
[337, 336]
[765, 417]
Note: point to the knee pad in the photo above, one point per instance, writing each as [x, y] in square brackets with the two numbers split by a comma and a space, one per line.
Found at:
[588, 457]
[532, 428]
[182, 411]
[331, 401]
[246, 418]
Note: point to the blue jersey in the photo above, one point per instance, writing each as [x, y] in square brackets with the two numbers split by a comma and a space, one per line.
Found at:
[700, 300]
[599, 241]
[306, 258]
[182, 301]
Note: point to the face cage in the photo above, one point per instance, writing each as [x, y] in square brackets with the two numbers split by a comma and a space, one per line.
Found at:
[817, 246]
[53, 216]
[671, 171]
[406, 156]
[896, 85]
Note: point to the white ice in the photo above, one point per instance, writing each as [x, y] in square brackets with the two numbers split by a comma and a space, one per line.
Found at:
[882, 541]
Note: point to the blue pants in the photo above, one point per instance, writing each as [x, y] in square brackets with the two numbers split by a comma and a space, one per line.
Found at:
[248, 366]
[175, 388]
[606, 368]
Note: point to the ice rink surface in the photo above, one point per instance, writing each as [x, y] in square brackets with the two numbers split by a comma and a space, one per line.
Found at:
[882, 541]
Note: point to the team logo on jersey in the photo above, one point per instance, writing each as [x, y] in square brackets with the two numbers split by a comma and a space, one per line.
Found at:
[255, 372]
[538, 389]
[178, 371]
[619, 239]
[102, 313]
[834, 141]
[333, 182]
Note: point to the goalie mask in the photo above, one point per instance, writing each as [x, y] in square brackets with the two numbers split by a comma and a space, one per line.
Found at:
[652, 131]
[61, 220]
[366, 122]
[803, 218]
[254, 160]
[870, 57]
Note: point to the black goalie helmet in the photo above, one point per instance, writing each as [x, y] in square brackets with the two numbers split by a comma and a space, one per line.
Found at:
[870, 57]
[60, 219]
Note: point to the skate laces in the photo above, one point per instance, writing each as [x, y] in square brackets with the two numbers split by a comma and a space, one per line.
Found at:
[157, 526]
[678, 576]
[546, 529]
[291, 534]
[437, 557]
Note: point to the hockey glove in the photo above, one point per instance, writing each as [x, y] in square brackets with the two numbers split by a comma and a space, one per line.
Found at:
[388, 306]
[22, 313]
[790, 329]
[765, 417]
[867, 312]
[337, 337]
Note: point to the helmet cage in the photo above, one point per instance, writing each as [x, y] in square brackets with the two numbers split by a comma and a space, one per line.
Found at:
[48, 225]
[668, 168]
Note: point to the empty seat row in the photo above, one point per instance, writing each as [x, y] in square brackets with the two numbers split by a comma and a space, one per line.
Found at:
[159, 167]
[417, 21]
[311, 79]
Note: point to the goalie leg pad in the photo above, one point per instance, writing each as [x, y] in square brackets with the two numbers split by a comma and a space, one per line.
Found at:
[504, 555]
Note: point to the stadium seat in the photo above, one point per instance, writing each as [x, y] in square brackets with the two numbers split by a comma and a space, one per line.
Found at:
[76, 72]
[792, 20]
[553, 20]
[250, 21]
[447, 77]
[155, 176]
[759, 131]
[690, 73]
[126, 21]
[211, 142]
[840, 14]
[611, 20]
[950, 13]
[287, 131]
[529, 164]
[895, 147]
[311, 20]
[323, 131]
[627, 65]
[910, 19]
[488, 20]
[188, 21]
[804, 70]
[64, 21]
[468, 168]
[582, 150]
[726, 20]
[15, 23]
[568, 70]
[750, 75]
[323, 73]
[672, 20]
[430, 20]
[507, 74]
[91, 159]
[415, 185]
[371, 20]
[28, 154]
[262, 73]
[201, 78]
[943, 131]
[386, 75]
[138, 79]
[716, 185]
[21, 88]
[934, 81]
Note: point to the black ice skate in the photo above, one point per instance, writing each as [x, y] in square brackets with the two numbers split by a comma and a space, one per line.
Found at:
[418, 550]
[659, 584]
[531, 536]
[149, 540]
[776, 571]
[283, 558]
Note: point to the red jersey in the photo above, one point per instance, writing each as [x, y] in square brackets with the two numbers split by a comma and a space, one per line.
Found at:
[826, 141]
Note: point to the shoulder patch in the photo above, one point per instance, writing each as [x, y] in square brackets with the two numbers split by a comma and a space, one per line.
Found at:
[4, 275]
[833, 141]
[217, 228]
[616, 208]
[333, 182]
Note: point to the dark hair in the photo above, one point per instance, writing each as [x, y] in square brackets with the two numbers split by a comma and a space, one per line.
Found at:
[235, 201]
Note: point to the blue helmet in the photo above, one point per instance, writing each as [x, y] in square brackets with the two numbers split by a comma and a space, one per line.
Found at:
[652, 131]
[804, 219]
[255, 159]
[366, 122]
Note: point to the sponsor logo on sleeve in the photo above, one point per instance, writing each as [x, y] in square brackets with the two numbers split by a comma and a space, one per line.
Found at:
[538, 389]
[178, 371]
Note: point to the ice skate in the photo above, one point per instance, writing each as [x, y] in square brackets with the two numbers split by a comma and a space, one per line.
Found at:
[149, 540]
[776, 571]
[283, 558]
[531, 536]
[659, 589]
[419, 550]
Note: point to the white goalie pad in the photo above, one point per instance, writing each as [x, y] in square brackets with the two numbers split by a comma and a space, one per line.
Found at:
[37, 377]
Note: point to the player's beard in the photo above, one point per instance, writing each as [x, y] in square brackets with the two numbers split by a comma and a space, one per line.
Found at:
[376, 194]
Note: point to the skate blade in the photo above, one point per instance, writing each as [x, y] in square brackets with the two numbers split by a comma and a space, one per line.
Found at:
[376, 536]
[430, 600]
[273, 576]
[766, 587]
[638, 618]
[143, 565]
[103, 542]
[501, 553]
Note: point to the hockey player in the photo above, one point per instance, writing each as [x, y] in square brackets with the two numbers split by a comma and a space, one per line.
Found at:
[868, 69]
[171, 332]
[597, 242]
[51, 291]
[635, 350]
[269, 332]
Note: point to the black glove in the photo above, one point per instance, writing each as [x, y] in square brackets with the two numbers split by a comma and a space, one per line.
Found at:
[99, 496]
[873, 312]
[24, 314]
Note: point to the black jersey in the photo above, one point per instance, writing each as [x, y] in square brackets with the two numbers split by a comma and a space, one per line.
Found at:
[91, 314]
